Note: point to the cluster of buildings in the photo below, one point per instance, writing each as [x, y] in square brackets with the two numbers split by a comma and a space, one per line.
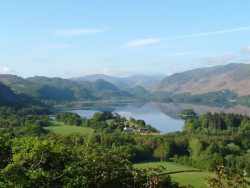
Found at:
[131, 129]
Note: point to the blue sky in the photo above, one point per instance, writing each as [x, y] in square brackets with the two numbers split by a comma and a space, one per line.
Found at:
[74, 38]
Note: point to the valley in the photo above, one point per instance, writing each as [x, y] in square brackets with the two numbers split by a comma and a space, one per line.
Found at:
[124, 94]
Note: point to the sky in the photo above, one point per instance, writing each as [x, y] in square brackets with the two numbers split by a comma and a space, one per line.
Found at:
[71, 38]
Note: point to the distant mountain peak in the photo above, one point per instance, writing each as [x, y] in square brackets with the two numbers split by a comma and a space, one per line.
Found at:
[234, 77]
[147, 81]
[101, 84]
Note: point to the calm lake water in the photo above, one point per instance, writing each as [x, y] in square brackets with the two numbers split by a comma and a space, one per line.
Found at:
[163, 116]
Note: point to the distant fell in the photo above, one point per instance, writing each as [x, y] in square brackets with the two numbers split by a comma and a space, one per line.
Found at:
[234, 77]
[8, 97]
[59, 89]
[146, 81]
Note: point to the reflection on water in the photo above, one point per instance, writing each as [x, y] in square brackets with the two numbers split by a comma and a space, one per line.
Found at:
[162, 116]
[172, 109]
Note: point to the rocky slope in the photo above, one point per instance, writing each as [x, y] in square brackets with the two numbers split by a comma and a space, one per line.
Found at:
[234, 77]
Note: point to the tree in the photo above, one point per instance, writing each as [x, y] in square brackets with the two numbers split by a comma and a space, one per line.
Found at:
[228, 178]
[69, 118]
[5, 149]
[163, 151]
[195, 147]
[36, 162]
[187, 113]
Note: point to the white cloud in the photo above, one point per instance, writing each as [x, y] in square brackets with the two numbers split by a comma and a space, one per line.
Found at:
[111, 71]
[247, 28]
[246, 50]
[106, 71]
[237, 29]
[78, 32]
[141, 42]
[5, 70]
[149, 41]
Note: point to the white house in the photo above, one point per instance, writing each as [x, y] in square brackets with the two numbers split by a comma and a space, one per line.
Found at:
[128, 129]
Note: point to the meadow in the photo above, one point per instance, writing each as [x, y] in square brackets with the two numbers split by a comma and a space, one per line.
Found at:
[64, 129]
[193, 176]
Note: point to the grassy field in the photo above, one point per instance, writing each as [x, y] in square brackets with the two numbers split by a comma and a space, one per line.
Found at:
[63, 129]
[196, 179]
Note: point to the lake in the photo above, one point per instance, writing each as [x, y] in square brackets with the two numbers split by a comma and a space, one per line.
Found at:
[162, 116]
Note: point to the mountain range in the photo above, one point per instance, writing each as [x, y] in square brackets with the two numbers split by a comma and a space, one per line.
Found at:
[147, 81]
[208, 83]
[58, 89]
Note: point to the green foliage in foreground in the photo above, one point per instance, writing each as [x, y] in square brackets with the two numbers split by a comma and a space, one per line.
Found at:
[216, 139]
[35, 162]
[64, 129]
[230, 178]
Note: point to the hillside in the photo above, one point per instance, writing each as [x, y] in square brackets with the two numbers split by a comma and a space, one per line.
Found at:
[233, 77]
[106, 90]
[139, 91]
[9, 98]
[94, 77]
[58, 89]
[146, 81]
[20, 85]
